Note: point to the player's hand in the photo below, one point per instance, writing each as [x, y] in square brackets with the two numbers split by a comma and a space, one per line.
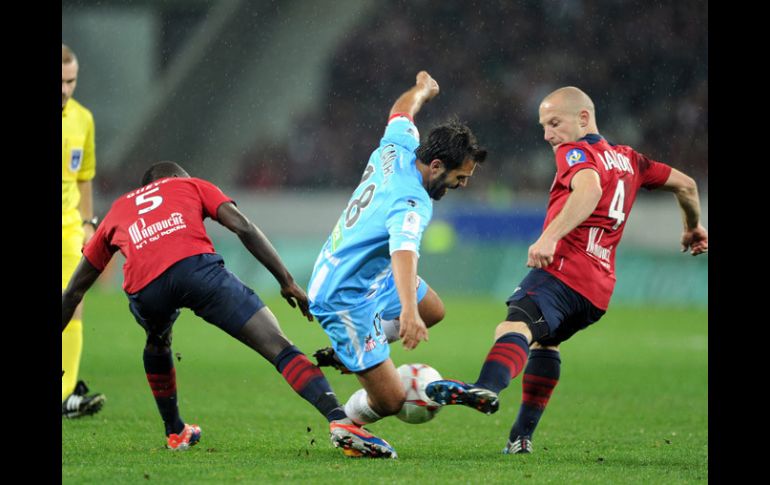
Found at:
[413, 330]
[293, 292]
[429, 85]
[541, 253]
[696, 240]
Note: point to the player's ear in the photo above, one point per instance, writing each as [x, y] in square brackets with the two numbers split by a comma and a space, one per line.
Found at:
[584, 117]
[436, 165]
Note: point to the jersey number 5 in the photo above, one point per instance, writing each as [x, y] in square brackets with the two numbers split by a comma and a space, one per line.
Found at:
[616, 206]
[154, 201]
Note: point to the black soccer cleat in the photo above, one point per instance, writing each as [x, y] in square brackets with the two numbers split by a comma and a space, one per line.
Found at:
[522, 444]
[456, 392]
[326, 357]
[79, 403]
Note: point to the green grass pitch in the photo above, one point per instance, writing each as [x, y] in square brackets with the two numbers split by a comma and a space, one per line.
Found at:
[631, 406]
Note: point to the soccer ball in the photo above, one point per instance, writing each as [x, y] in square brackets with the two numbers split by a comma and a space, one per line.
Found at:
[418, 408]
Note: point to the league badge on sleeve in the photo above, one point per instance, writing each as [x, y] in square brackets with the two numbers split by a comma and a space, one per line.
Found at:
[575, 156]
[411, 223]
[76, 158]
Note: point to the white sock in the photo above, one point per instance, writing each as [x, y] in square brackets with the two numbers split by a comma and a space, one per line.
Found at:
[391, 329]
[357, 408]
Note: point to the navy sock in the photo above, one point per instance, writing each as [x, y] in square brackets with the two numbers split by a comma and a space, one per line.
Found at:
[540, 378]
[504, 362]
[308, 381]
[161, 376]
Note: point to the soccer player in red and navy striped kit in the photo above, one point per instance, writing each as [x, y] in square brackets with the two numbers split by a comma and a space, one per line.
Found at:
[573, 261]
[171, 264]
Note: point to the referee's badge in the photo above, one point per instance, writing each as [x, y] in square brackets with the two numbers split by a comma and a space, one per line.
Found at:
[76, 159]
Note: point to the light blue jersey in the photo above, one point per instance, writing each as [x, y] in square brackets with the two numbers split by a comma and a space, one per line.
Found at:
[352, 288]
[388, 211]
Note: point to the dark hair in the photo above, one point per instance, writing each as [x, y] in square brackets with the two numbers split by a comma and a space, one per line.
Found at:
[451, 142]
[162, 169]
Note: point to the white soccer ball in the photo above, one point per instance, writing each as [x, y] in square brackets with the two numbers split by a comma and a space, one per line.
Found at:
[418, 408]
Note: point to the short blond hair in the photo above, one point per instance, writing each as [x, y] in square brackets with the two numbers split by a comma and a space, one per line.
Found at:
[67, 56]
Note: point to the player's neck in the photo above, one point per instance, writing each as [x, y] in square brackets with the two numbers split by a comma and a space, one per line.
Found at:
[424, 171]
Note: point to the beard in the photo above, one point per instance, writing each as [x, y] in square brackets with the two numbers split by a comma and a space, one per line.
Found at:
[437, 188]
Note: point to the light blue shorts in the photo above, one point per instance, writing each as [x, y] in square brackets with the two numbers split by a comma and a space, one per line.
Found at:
[356, 332]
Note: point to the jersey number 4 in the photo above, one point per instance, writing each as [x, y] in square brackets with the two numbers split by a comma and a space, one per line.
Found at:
[616, 206]
[145, 198]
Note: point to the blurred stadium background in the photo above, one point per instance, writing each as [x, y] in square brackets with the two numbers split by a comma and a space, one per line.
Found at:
[281, 103]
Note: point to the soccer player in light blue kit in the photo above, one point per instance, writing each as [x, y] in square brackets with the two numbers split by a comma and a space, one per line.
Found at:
[364, 290]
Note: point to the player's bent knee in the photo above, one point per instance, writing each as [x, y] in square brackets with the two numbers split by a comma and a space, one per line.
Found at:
[525, 312]
[387, 400]
[435, 315]
[536, 345]
[513, 327]
[158, 343]
[431, 309]
[389, 404]
[385, 390]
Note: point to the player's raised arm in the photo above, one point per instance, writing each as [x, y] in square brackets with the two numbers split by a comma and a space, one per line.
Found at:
[694, 237]
[424, 89]
[258, 245]
[84, 276]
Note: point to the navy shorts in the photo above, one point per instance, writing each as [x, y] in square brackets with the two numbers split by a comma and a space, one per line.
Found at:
[202, 284]
[565, 311]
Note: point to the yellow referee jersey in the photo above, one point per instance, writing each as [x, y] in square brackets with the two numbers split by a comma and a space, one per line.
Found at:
[78, 161]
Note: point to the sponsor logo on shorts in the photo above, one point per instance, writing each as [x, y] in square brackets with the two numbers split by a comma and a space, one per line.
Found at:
[369, 343]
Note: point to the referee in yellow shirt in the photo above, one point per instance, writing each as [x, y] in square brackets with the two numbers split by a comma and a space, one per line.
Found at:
[78, 167]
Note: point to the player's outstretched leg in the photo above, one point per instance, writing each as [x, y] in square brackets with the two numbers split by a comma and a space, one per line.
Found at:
[262, 333]
[448, 391]
[309, 382]
[504, 361]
